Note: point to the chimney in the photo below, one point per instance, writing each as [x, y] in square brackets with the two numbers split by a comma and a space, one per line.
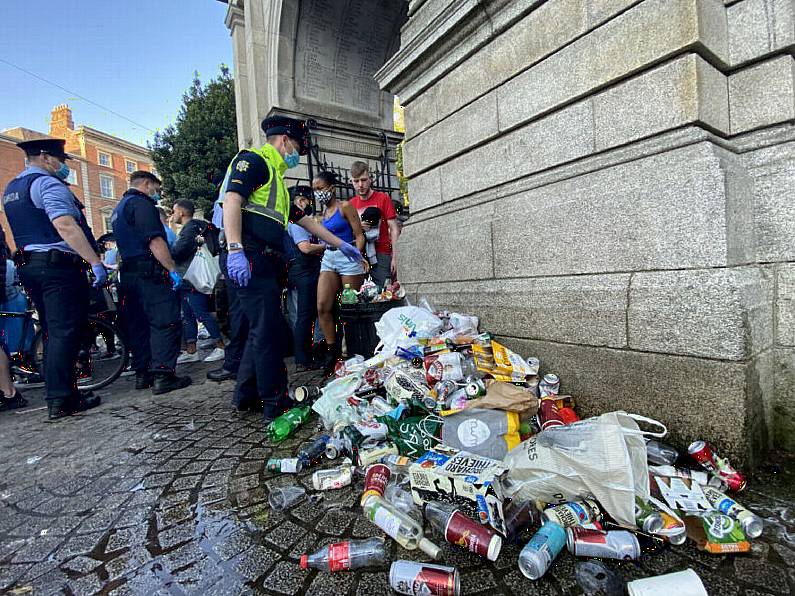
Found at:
[61, 121]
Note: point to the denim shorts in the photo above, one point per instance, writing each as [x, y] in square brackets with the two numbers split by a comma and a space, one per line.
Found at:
[334, 260]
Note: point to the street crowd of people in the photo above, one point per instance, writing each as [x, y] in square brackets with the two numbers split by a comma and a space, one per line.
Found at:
[265, 236]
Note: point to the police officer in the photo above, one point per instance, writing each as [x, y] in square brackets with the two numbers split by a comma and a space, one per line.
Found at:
[57, 247]
[150, 308]
[256, 211]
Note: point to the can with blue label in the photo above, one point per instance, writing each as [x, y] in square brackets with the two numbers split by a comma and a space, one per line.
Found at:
[574, 513]
[537, 555]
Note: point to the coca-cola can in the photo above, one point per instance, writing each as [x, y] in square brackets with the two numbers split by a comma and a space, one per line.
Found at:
[415, 579]
[375, 480]
[616, 544]
[703, 453]
[548, 415]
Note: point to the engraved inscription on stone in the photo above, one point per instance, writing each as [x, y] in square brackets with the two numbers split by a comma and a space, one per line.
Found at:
[340, 44]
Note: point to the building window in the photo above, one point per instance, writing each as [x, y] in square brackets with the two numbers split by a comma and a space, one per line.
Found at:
[106, 186]
[72, 177]
[104, 159]
[108, 223]
[131, 166]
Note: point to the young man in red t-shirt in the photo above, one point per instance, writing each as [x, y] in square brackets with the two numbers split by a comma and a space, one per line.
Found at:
[385, 246]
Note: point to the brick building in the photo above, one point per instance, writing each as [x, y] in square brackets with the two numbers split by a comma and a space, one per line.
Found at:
[100, 169]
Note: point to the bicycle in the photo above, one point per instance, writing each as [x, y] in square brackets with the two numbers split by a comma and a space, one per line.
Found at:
[102, 358]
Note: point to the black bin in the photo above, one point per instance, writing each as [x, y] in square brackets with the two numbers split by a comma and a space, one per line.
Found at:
[358, 322]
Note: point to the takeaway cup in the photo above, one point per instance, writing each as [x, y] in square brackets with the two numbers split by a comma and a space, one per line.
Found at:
[682, 583]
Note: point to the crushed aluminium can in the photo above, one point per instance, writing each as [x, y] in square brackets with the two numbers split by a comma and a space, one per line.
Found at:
[574, 513]
[615, 544]
[332, 478]
[415, 579]
[702, 452]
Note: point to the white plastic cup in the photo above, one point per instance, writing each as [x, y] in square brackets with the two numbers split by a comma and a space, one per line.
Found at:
[681, 583]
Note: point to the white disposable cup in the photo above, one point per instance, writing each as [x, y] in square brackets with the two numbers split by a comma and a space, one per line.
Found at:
[681, 583]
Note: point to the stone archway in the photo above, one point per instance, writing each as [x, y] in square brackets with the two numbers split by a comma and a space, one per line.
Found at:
[315, 59]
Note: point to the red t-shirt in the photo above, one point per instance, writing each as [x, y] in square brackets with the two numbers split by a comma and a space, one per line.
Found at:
[384, 204]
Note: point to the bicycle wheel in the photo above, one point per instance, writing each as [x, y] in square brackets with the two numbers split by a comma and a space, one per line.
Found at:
[102, 357]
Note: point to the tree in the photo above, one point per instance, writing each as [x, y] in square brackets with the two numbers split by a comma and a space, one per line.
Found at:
[196, 149]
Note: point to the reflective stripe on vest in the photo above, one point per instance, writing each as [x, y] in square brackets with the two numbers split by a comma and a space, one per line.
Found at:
[266, 200]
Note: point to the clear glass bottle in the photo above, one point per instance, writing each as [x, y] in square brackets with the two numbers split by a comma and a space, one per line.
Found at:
[399, 526]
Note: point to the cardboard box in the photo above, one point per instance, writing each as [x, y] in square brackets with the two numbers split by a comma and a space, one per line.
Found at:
[463, 479]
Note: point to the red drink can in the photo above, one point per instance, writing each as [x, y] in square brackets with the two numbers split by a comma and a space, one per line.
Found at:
[548, 414]
[618, 544]
[415, 579]
[477, 538]
[702, 452]
[375, 480]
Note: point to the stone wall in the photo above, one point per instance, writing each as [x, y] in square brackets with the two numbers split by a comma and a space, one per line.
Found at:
[608, 185]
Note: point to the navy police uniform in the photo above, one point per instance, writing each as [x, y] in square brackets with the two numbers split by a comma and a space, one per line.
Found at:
[53, 275]
[150, 308]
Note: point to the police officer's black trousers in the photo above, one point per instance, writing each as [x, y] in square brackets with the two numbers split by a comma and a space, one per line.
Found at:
[60, 294]
[303, 281]
[238, 324]
[151, 315]
[262, 377]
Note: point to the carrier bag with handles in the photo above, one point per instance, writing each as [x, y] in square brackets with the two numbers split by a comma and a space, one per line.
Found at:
[602, 457]
[203, 271]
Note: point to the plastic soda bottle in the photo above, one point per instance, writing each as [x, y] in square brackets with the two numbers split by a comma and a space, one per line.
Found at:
[350, 554]
[348, 295]
[399, 526]
[312, 452]
[537, 555]
[661, 454]
[283, 426]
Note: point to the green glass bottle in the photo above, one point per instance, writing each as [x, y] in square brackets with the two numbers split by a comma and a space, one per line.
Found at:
[283, 426]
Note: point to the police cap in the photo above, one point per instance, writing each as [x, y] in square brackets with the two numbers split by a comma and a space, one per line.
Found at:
[54, 147]
[300, 190]
[282, 125]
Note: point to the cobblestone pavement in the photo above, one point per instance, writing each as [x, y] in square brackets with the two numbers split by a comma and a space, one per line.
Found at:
[168, 495]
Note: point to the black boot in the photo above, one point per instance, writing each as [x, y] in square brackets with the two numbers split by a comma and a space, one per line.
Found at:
[13, 402]
[169, 382]
[56, 410]
[86, 400]
[220, 374]
[144, 380]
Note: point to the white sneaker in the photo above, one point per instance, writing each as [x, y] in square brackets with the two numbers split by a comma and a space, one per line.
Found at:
[186, 357]
[215, 355]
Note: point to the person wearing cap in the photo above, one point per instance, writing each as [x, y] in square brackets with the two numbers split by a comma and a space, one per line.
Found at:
[149, 279]
[303, 254]
[57, 247]
[256, 211]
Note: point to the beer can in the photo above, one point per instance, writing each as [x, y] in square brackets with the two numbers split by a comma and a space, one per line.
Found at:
[444, 389]
[291, 465]
[415, 579]
[430, 403]
[370, 456]
[306, 393]
[475, 388]
[334, 448]
[615, 544]
[372, 431]
[548, 414]
[375, 480]
[549, 385]
[332, 478]
[703, 453]
[471, 535]
[574, 513]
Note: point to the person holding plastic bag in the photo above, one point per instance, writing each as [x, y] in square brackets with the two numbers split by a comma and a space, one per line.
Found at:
[195, 304]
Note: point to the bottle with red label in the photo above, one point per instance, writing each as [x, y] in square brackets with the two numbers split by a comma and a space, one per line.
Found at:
[351, 554]
[463, 531]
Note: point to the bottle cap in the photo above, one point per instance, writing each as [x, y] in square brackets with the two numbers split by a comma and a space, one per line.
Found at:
[304, 563]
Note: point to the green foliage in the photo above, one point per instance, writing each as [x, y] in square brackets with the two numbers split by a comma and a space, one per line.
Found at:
[200, 145]
[404, 183]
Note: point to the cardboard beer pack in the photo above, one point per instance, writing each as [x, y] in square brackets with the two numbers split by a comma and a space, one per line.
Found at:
[463, 479]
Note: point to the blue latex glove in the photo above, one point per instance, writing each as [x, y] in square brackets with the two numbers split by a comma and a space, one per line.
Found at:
[350, 251]
[100, 274]
[238, 268]
[176, 280]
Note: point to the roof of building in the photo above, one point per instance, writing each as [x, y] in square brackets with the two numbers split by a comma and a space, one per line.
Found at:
[24, 134]
[110, 139]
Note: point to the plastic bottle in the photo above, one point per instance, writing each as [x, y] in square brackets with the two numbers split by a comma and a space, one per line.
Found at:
[348, 295]
[751, 524]
[399, 526]
[402, 500]
[351, 554]
[463, 531]
[661, 454]
[647, 518]
[281, 428]
[596, 579]
[312, 452]
[537, 555]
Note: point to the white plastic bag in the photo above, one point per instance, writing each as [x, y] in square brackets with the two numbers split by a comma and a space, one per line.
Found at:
[602, 457]
[203, 271]
[333, 406]
[405, 321]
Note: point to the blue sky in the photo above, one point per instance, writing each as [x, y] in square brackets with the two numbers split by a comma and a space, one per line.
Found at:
[134, 57]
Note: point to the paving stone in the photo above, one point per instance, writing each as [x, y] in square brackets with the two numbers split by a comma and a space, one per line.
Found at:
[335, 522]
[333, 584]
[254, 562]
[285, 535]
[177, 535]
[36, 550]
[90, 584]
[233, 545]
[286, 578]
[80, 564]
[763, 573]
[373, 583]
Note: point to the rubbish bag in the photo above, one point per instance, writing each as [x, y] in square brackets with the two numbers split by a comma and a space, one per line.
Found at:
[405, 321]
[602, 457]
[412, 435]
[490, 433]
[203, 271]
[333, 406]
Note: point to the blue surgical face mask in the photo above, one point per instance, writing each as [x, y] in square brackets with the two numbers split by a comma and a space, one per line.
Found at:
[292, 159]
[156, 197]
[62, 173]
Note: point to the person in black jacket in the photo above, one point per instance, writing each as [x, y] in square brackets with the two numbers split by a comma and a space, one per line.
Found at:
[195, 305]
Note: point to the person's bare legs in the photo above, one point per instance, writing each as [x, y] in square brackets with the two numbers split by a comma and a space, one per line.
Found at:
[6, 384]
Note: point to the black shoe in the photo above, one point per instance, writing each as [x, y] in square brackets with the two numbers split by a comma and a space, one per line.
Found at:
[144, 380]
[86, 401]
[56, 411]
[12, 403]
[164, 384]
[220, 374]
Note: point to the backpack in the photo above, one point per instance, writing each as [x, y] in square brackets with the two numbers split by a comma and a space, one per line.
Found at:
[212, 240]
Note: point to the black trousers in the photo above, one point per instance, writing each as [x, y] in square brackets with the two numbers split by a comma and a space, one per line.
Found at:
[303, 281]
[151, 316]
[238, 323]
[60, 294]
[262, 376]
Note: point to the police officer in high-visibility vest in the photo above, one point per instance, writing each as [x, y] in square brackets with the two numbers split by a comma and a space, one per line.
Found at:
[256, 211]
[149, 305]
[57, 248]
